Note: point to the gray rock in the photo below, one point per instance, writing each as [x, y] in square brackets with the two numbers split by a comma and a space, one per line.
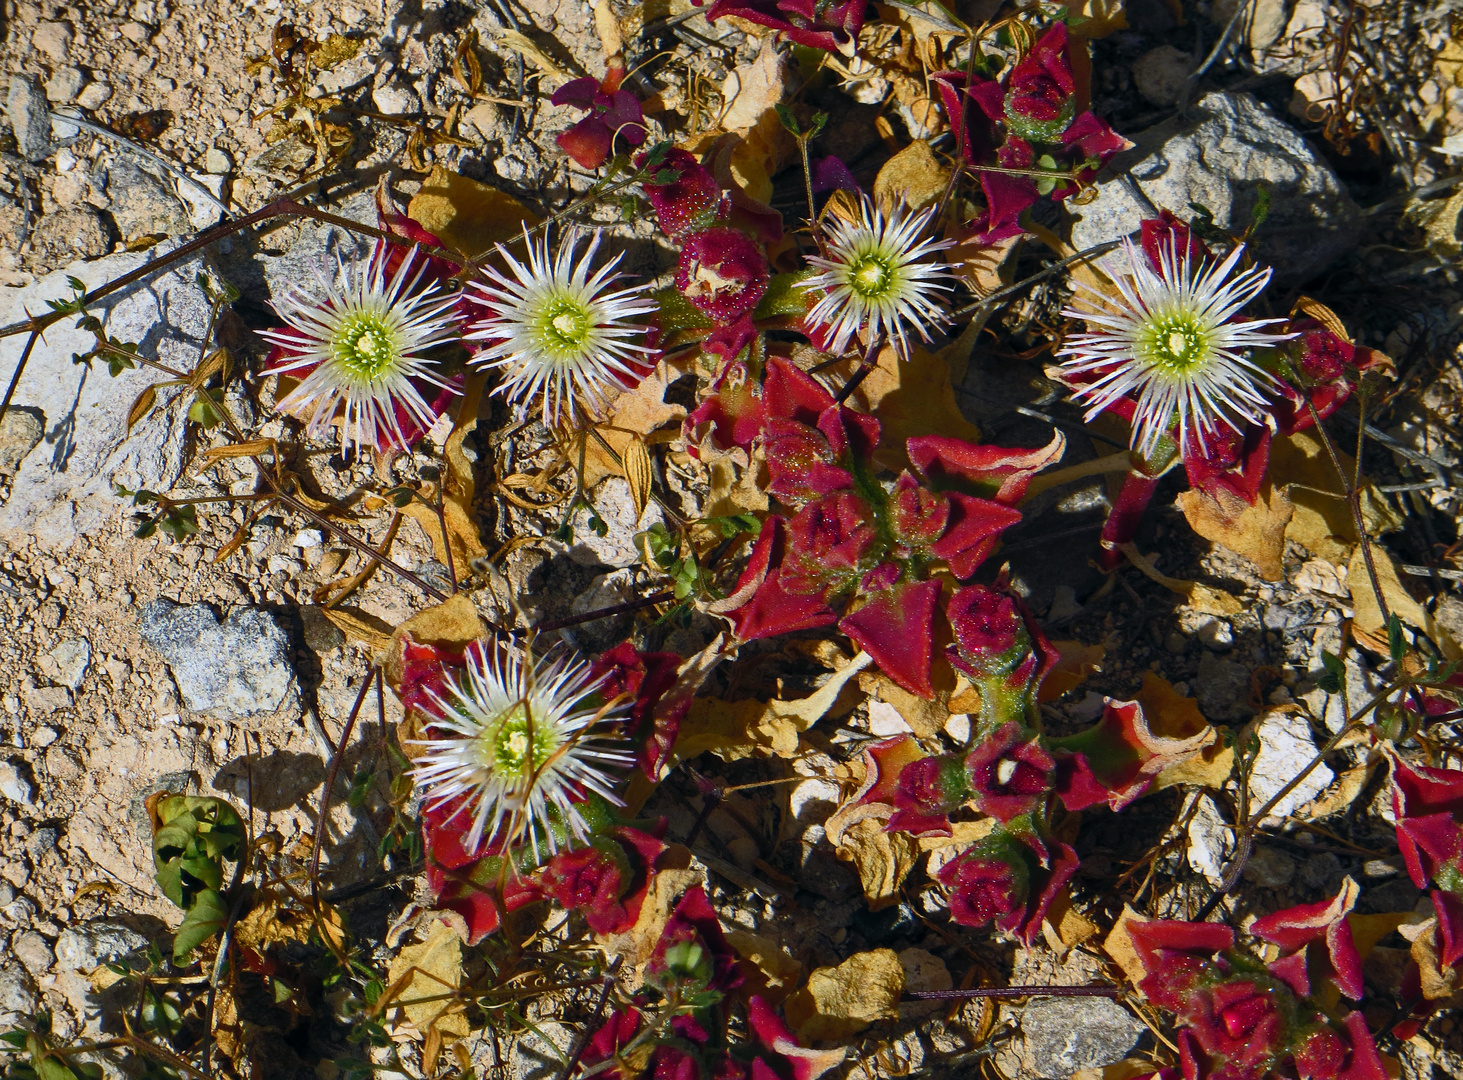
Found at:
[1228, 147]
[64, 486]
[74, 233]
[1286, 747]
[229, 669]
[72, 657]
[30, 117]
[143, 204]
[1321, 872]
[18, 995]
[15, 785]
[1223, 689]
[1160, 74]
[20, 430]
[616, 509]
[321, 635]
[90, 945]
[33, 951]
[94, 95]
[63, 86]
[217, 161]
[395, 98]
[318, 250]
[1269, 868]
[1067, 1034]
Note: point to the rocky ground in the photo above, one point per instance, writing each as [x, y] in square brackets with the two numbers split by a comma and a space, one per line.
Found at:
[131, 666]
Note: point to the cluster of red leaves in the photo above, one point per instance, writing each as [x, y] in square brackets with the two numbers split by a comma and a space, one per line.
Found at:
[1014, 773]
[606, 879]
[853, 536]
[677, 1027]
[818, 24]
[613, 118]
[1428, 805]
[1242, 1017]
[1317, 369]
[1025, 121]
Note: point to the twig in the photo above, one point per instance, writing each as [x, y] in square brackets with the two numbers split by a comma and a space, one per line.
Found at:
[584, 1036]
[1056, 267]
[1012, 992]
[605, 613]
[141, 151]
[1431, 571]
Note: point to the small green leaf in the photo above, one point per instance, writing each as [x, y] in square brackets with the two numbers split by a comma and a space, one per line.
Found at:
[205, 918]
[784, 298]
[789, 121]
[1334, 676]
[1396, 643]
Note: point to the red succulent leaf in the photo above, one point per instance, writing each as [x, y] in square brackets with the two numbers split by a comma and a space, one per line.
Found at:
[928, 791]
[733, 415]
[853, 436]
[991, 472]
[617, 1033]
[1001, 648]
[695, 921]
[1166, 233]
[1324, 1054]
[1009, 772]
[1295, 929]
[588, 142]
[919, 516]
[652, 719]
[481, 885]
[1232, 463]
[974, 105]
[799, 1063]
[1041, 95]
[1240, 1024]
[1095, 139]
[1176, 956]
[800, 463]
[896, 628]
[424, 668]
[1428, 804]
[692, 200]
[1119, 757]
[771, 608]
[730, 340]
[829, 541]
[607, 879]
[832, 27]
[1003, 880]
[792, 394]
[723, 273]
[975, 526]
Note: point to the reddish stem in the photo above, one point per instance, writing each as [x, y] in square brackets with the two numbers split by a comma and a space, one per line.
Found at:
[1122, 523]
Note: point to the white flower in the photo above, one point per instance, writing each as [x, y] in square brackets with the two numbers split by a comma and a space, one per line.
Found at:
[1167, 340]
[358, 346]
[873, 280]
[554, 328]
[512, 736]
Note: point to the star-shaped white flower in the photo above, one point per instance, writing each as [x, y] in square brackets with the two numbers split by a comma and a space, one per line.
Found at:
[358, 347]
[1170, 340]
[556, 329]
[876, 280]
[512, 736]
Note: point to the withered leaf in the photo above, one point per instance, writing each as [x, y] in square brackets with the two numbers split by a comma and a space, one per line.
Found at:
[841, 1001]
[141, 406]
[639, 472]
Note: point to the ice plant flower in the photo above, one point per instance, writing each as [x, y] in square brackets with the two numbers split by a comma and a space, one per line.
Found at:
[873, 280]
[555, 328]
[1170, 340]
[358, 348]
[510, 736]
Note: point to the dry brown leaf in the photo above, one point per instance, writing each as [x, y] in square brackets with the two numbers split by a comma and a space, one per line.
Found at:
[733, 478]
[641, 412]
[141, 406]
[738, 729]
[767, 968]
[841, 1001]
[1065, 927]
[912, 177]
[1119, 947]
[1127, 1069]
[980, 266]
[639, 472]
[452, 624]
[915, 396]
[1076, 663]
[466, 215]
[753, 88]
[1200, 597]
[357, 625]
[1257, 532]
[1341, 794]
[1199, 756]
[881, 859]
[528, 49]
[1322, 521]
[1439, 984]
[422, 983]
[466, 545]
[1368, 615]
